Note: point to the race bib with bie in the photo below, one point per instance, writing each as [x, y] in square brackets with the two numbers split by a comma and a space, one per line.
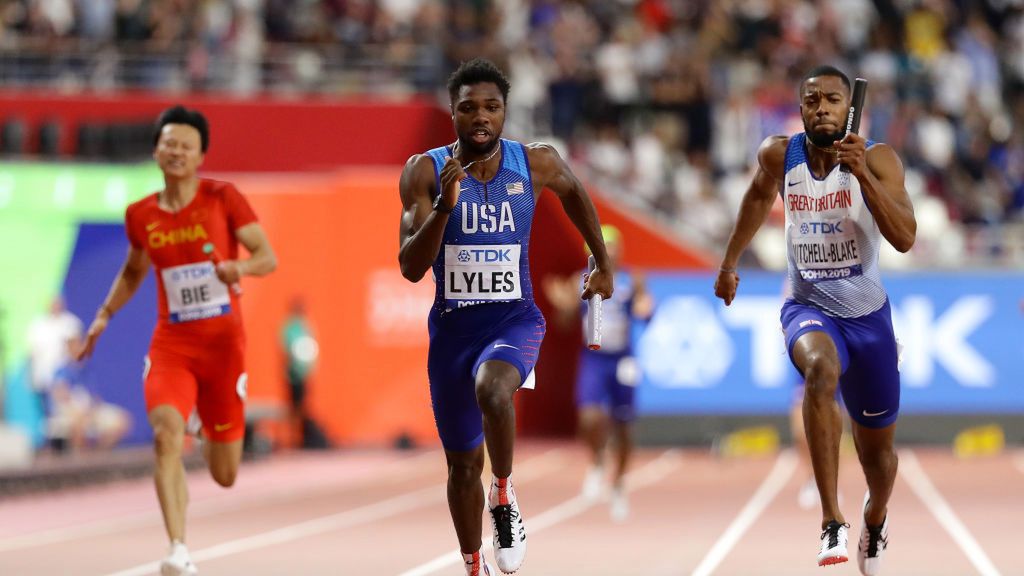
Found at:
[481, 273]
[824, 250]
[194, 292]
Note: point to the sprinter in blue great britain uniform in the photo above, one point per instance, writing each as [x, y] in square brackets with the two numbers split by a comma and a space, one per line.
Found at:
[838, 325]
[467, 210]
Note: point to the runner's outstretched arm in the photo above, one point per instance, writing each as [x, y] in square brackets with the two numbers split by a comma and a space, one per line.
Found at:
[757, 203]
[127, 281]
[550, 171]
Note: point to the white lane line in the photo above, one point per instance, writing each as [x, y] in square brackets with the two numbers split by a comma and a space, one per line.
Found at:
[912, 471]
[646, 475]
[779, 476]
[538, 466]
[214, 506]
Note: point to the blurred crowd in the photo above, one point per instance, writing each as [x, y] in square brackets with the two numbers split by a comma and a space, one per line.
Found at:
[662, 103]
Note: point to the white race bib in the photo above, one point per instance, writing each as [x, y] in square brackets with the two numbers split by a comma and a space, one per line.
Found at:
[482, 272]
[194, 292]
[826, 250]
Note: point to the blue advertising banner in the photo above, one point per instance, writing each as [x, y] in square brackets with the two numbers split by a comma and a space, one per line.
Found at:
[961, 336]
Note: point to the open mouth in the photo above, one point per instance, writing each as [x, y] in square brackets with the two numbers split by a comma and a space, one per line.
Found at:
[480, 136]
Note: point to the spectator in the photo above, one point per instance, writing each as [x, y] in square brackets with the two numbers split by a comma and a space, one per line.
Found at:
[48, 337]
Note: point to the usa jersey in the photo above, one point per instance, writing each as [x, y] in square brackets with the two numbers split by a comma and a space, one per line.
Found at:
[484, 257]
[831, 237]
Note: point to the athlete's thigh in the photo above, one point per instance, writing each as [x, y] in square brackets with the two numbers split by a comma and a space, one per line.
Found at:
[871, 386]
[223, 385]
[810, 331]
[516, 341]
[450, 363]
[169, 380]
[226, 456]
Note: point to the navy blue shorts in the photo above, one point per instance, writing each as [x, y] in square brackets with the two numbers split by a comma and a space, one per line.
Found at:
[598, 384]
[460, 342]
[869, 379]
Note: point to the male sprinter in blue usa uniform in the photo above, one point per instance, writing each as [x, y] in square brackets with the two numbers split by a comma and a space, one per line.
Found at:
[838, 325]
[467, 211]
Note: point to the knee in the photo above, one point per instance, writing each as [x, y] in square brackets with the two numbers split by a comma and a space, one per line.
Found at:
[224, 475]
[167, 440]
[884, 459]
[821, 375]
[464, 472]
[493, 396]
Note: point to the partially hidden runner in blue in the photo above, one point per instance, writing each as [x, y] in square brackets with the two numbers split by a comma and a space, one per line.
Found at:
[467, 211]
[837, 323]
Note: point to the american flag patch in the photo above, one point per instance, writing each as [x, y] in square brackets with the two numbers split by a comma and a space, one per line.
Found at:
[514, 188]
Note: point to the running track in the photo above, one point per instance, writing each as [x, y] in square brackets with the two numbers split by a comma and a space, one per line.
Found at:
[384, 513]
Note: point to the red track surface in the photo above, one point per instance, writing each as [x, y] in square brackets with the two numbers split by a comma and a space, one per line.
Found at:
[384, 513]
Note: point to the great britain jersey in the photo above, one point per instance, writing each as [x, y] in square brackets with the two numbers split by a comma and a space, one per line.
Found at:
[484, 255]
[831, 237]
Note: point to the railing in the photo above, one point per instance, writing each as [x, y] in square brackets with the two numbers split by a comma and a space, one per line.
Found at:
[69, 64]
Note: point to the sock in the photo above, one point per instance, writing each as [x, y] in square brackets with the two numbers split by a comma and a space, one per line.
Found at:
[473, 563]
[501, 491]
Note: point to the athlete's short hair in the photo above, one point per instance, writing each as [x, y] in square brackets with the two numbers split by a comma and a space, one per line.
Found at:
[474, 72]
[824, 70]
[181, 115]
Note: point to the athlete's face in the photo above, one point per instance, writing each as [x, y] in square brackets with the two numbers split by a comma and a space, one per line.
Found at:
[824, 105]
[479, 115]
[179, 151]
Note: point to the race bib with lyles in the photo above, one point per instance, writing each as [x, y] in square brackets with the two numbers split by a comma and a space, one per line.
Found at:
[194, 292]
[826, 250]
[474, 274]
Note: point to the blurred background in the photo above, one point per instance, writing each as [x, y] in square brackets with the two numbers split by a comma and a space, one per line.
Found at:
[659, 106]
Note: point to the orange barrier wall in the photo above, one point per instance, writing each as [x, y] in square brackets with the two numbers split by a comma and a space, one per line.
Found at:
[336, 237]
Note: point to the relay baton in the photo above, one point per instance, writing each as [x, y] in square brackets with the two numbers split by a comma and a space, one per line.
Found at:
[211, 251]
[860, 88]
[593, 313]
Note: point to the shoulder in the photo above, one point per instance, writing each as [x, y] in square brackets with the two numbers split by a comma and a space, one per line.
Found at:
[418, 171]
[141, 205]
[218, 188]
[772, 151]
[883, 158]
[541, 151]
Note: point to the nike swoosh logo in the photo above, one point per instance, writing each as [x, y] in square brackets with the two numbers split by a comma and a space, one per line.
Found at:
[795, 183]
[872, 414]
[151, 226]
[221, 427]
[505, 346]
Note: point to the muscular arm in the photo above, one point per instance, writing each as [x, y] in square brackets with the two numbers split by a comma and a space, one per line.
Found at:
[127, 281]
[262, 260]
[886, 195]
[758, 199]
[550, 171]
[422, 228]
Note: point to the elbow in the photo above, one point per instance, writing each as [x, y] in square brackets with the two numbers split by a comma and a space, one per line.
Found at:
[271, 263]
[409, 273]
[906, 242]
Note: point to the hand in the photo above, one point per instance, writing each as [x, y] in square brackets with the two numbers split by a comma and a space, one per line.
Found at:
[726, 284]
[229, 271]
[99, 324]
[451, 175]
[600, 281]
[852, 151]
